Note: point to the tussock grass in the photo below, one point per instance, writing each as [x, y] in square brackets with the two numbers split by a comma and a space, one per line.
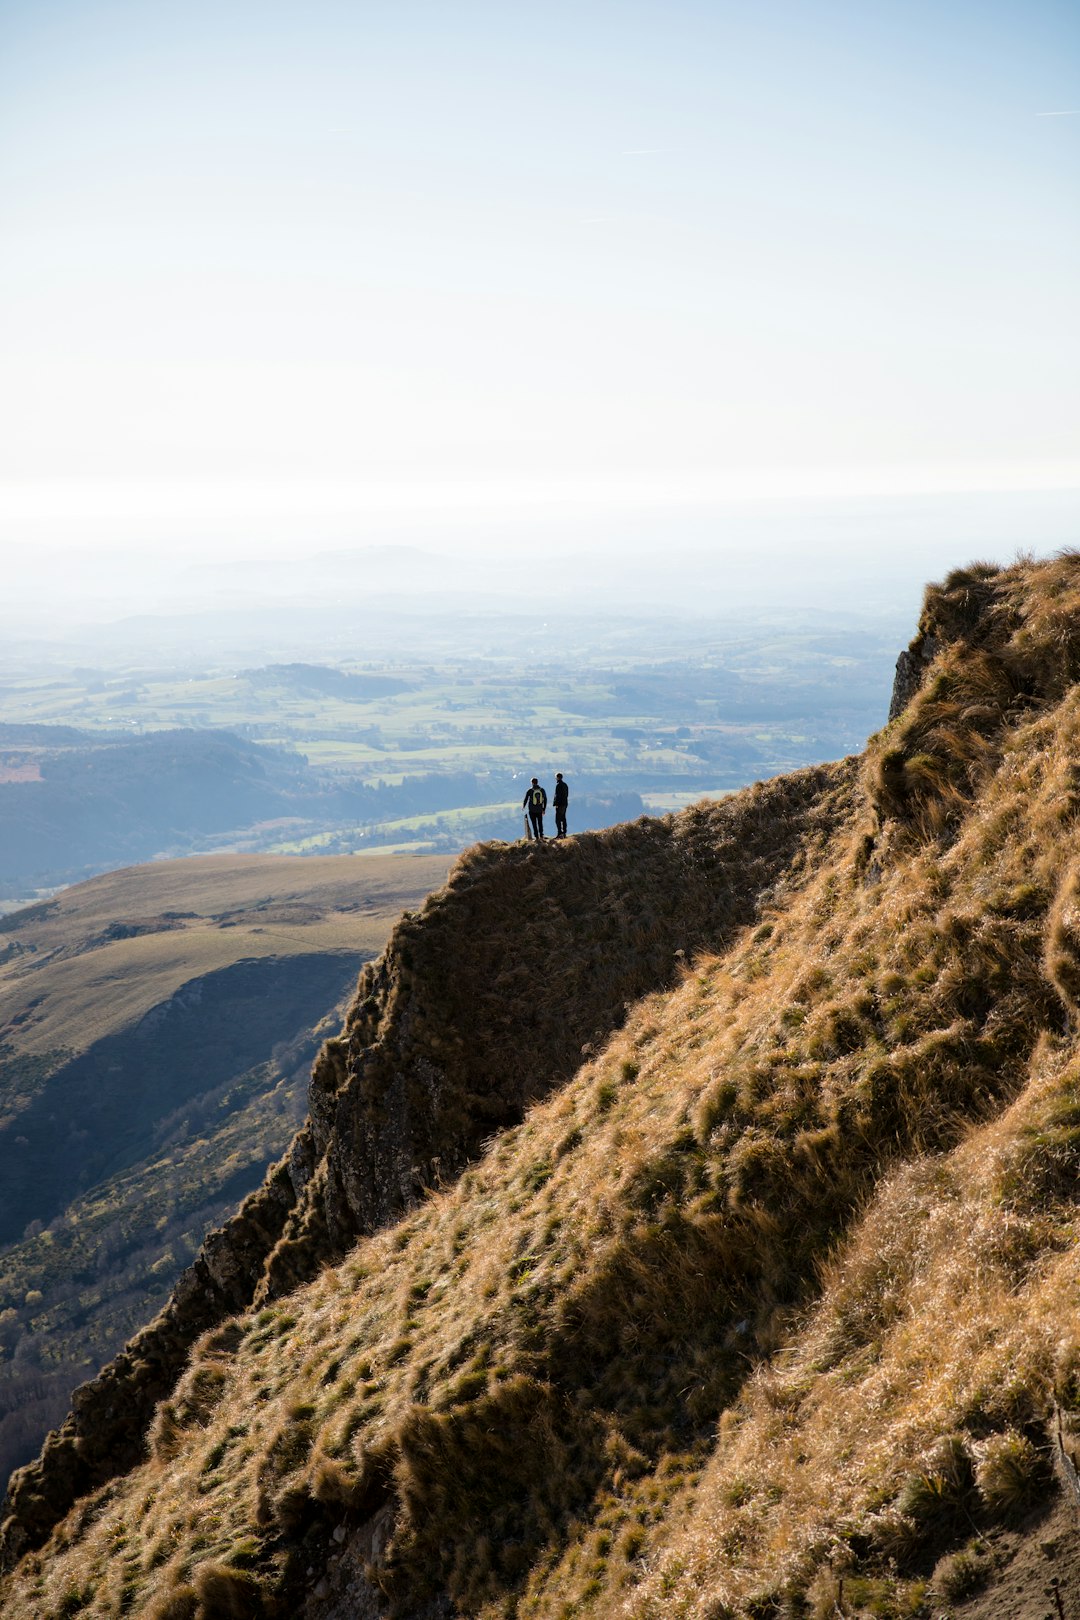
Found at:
[763, 1311]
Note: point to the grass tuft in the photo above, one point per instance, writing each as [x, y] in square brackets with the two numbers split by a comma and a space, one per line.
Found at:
[1012, 1475]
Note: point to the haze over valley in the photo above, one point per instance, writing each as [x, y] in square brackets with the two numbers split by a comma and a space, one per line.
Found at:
[420, 732]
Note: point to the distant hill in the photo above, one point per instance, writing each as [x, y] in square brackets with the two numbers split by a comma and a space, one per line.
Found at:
[75, 803]
[95, 802]
[322, 681]
[156, 1031]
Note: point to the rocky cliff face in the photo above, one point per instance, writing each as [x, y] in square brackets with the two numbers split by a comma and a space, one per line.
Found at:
[483, 1002]
[489, 999]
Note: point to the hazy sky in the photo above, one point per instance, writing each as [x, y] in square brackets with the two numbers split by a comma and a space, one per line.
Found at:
[300, 264]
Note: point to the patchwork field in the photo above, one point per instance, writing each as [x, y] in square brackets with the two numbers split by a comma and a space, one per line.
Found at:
[430, 747]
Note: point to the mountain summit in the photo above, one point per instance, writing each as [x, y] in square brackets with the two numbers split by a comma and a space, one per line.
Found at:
[684, 1224]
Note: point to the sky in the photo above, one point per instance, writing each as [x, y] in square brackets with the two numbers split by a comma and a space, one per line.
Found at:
[291, 275]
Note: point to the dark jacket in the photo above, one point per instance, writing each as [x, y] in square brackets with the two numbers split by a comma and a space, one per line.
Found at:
[527, 803]
[562, 795]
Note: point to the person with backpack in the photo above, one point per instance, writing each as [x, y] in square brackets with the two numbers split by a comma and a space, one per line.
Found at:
[562, 795]
[535, 802]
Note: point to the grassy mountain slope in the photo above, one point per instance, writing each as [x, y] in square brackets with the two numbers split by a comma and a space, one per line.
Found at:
[548, 945]
[767, 1309]
[158, 1033]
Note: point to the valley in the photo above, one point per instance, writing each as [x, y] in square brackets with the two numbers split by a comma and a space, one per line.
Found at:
[425, 743]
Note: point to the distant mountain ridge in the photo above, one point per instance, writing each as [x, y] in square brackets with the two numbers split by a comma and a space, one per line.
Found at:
[113, 800]
[339, 683]
[684, 1223]
[75, 803]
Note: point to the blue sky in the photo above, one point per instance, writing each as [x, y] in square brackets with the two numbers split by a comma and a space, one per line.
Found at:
[312, 264]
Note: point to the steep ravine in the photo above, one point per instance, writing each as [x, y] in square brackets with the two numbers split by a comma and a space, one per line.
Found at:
[482, 1003]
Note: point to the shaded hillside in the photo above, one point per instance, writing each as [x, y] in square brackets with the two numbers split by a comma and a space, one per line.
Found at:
[157, 1027]
[73, 803]
[318, 680]
[93, 1116]
[101, 954]
[97, 802]
[766, 1309]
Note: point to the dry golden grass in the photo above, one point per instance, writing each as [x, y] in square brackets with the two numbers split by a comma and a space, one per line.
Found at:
[946, 1316]
[764, 1311]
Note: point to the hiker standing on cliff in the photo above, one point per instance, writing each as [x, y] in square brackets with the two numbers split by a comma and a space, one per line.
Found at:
[562, 795]
[535, 802]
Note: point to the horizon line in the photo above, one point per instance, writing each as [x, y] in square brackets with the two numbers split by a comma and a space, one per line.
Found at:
[104, 499]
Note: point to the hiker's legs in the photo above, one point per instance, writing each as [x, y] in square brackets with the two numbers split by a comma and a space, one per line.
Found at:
[560, 823]
[537, 819]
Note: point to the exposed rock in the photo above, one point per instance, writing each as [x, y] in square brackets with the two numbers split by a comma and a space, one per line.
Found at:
[911, 668]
